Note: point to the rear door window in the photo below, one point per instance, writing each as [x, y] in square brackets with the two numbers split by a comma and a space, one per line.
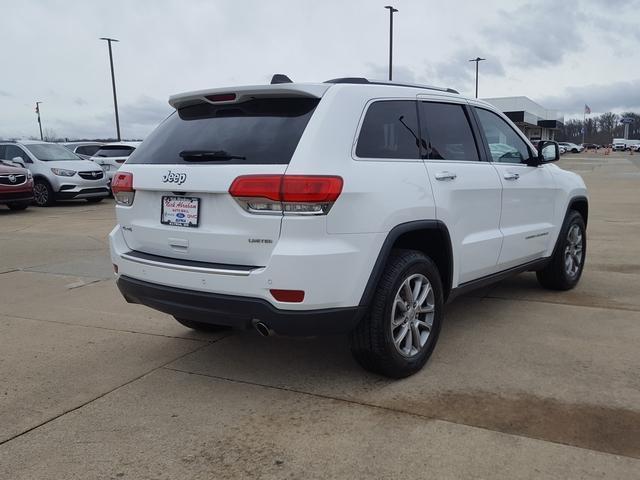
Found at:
[448, 131]
[389, 130]
[258, 131]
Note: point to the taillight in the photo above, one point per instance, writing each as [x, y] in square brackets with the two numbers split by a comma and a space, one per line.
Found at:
[122, 188]
[221, 97]
[288, 194]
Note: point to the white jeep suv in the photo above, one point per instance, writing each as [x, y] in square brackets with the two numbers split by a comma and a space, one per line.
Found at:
[348, 206]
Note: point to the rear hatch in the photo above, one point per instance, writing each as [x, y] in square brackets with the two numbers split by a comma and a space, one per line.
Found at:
[182, 173]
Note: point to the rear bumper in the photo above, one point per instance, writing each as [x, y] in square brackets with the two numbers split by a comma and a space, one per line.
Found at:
[236, 311]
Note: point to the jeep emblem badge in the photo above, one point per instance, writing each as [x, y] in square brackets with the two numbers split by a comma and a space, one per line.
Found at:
[173, 177]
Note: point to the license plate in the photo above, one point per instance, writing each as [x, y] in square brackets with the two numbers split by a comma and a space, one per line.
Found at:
[180, 211]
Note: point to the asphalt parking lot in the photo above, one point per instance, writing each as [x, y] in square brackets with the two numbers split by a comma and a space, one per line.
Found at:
[524, 383]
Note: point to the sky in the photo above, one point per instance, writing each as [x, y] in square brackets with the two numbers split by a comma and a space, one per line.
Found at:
[561, 53]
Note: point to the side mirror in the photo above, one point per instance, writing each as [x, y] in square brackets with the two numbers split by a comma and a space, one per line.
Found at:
[18, 161]
[548, 151]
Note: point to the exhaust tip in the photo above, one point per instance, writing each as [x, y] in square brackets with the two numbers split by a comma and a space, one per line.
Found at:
[262, 329]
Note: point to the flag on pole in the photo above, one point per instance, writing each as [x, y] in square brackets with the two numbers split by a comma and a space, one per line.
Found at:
[587, 110]
[37, 108]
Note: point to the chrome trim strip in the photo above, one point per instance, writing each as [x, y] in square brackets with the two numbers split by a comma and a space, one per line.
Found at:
[186, 268]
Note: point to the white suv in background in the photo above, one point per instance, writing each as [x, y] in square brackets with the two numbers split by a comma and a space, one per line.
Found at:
[111, 155]
[346, 206]
[58, 173]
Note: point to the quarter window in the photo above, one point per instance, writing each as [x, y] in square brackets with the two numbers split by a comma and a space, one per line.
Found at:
[505, 144]
[447, 129]
[390, 130]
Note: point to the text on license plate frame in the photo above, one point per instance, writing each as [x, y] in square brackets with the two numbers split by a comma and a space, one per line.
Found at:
[175, 223]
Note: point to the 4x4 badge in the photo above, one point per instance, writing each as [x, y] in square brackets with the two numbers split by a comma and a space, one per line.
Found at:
[173, 177]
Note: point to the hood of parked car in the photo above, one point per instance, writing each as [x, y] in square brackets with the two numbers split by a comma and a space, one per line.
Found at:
[7, 169]
[77, 165]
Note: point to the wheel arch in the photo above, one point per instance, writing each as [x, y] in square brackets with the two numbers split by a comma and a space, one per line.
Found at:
[581, 205]
[428, 236]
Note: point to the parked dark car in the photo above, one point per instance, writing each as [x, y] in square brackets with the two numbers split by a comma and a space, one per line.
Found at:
[16, 186]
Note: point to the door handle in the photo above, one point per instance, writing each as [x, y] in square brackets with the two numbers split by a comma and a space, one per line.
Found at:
[445, 176]
[511, 176]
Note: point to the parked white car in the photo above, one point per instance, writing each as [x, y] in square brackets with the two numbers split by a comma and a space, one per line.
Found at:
[58, 173]
[84, 150]
[571, 147]
[345, 206]
[111, 155]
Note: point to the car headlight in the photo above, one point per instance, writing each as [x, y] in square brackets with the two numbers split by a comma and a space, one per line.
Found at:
[63, 172]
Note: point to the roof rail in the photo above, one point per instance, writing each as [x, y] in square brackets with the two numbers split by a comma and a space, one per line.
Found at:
[362, 80]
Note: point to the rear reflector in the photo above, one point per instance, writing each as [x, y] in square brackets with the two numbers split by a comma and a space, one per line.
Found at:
[122, 188]
[292, 296]
[221, 97]
[293, 194]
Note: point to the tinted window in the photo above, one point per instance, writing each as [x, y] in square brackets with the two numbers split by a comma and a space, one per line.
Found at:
[14, 151]
[262, 131]
[447, 129]
[114, 151]
[389, 130]
[504, 143]
[87, 149]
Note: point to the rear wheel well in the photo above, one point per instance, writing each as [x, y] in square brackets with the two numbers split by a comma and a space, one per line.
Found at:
[434, 243]
[581, 205]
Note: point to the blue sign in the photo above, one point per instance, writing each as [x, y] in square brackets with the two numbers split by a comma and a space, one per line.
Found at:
[627, 120]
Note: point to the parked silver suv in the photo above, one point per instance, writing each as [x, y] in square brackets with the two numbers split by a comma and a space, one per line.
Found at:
[58, 173]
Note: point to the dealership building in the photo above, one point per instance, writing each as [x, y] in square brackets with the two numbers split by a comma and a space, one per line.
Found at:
[537, 122]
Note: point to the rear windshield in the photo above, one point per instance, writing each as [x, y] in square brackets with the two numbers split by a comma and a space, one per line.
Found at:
[114, 151]
[259, 131]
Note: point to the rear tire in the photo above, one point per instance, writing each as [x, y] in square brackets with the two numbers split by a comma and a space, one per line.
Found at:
[401, 329]
[201, 326]
[42, 193]
[564, 270]
[18, 205]
[94, 199]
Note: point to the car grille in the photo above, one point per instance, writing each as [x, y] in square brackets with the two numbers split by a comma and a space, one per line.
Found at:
[93, 190]
[13, 179]
[91, 175]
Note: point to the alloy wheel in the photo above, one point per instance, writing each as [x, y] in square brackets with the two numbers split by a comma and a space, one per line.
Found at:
[412, 315]
[573, 251]
[41, 193]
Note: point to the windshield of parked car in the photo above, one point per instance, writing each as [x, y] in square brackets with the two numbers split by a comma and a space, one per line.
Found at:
[114, 151]
[49, 152]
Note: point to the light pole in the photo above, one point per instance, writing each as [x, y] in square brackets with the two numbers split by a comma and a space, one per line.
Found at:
[39, 121]
[391, 12]
[113, 83]
[477, 60]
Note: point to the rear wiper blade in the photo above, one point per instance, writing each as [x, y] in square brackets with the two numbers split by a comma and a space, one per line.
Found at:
[207, 155]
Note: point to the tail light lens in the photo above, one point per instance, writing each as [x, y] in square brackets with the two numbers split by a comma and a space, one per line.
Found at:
[122, 188]
[287, 194]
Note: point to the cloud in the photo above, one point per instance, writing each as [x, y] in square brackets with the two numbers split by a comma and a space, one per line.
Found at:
[80, 101]
[618, 96]
[5, 94]
[538, 34]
